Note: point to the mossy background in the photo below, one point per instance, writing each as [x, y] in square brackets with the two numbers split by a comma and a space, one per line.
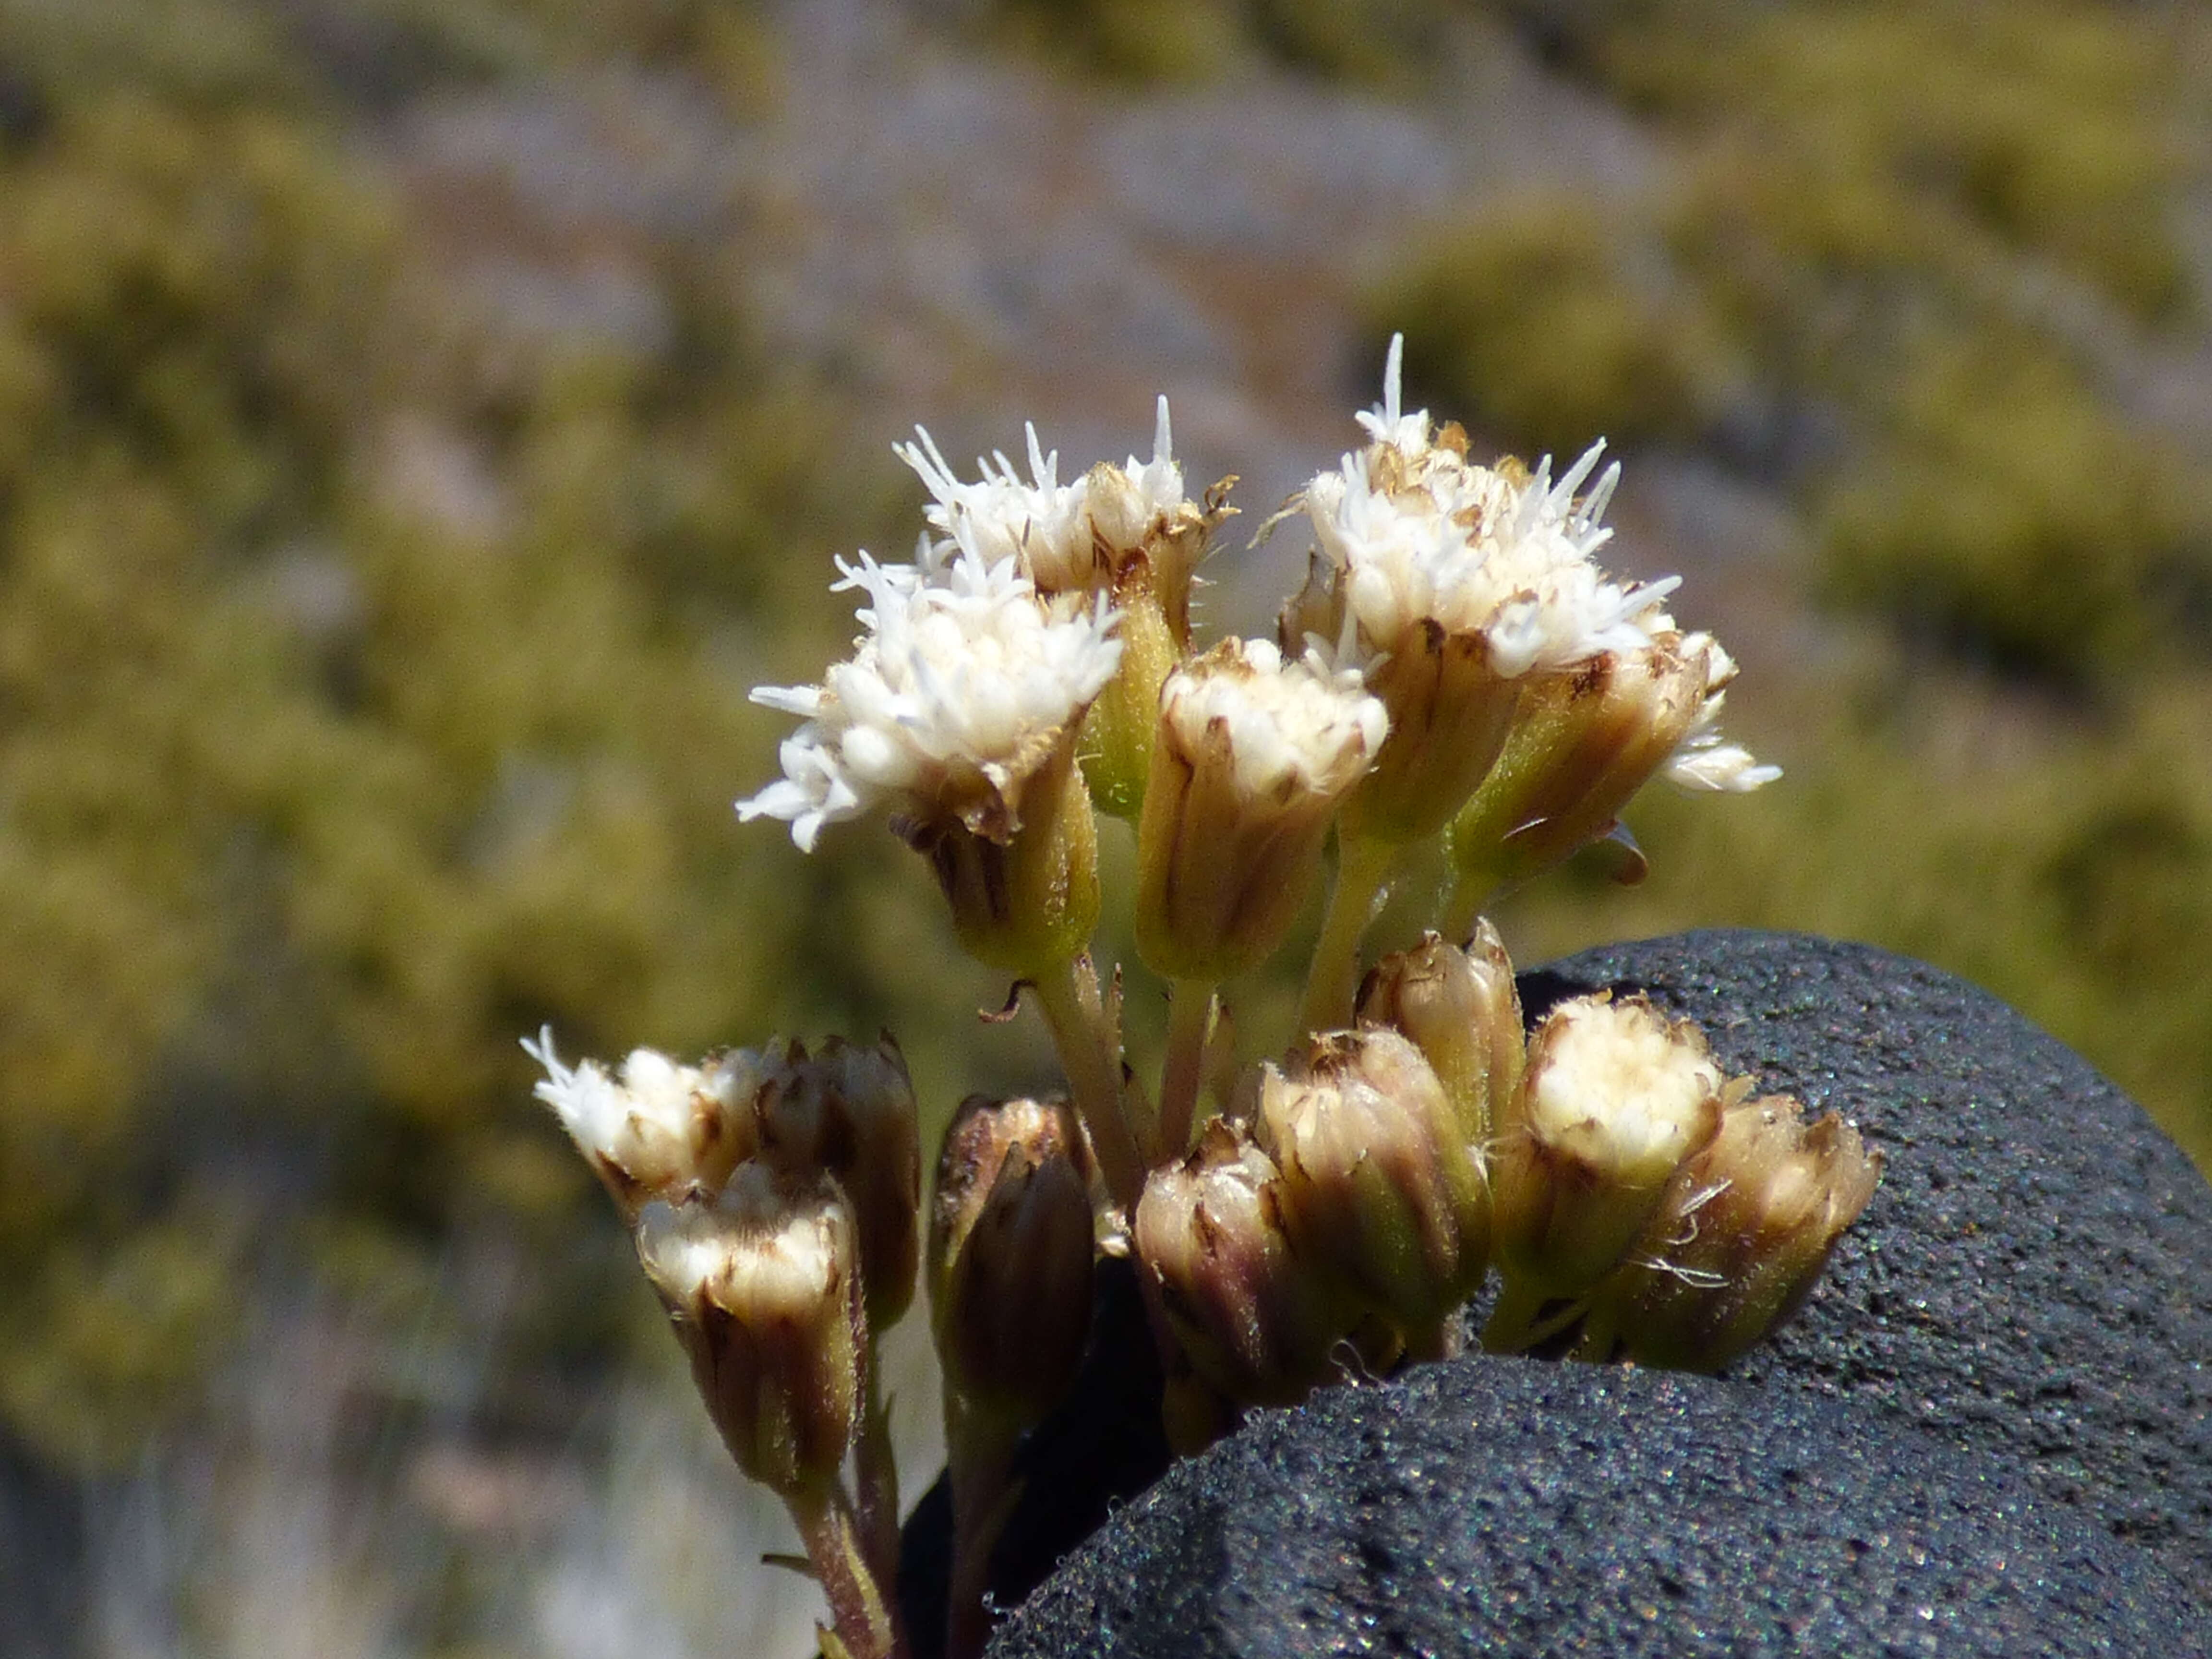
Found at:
[373, 654]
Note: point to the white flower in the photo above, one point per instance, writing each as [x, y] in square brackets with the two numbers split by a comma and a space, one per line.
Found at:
[1618, 1087]
[659, 1129]
[1290, 727]
[957, 690]
[1061, 535]
[1420, 535]
[1701, 761]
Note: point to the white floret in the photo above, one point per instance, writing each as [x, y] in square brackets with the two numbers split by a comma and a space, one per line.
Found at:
[1291, 725]
[960, 673]
[1053, 532]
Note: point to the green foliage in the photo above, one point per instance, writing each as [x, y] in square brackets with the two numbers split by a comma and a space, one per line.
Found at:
[2043, 123]
[1529, 321]
[321, 787]
[2006, 509]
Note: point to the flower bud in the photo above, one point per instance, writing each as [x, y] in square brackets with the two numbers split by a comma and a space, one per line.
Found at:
[1462, 1010]
[1585, 741]
[1010, 1254]
[1747, 1226]
[661, 1130]
[1251, 1313]
[849, 1111]
[1614, 1100]
[1025, 897]
[763, 1285]
[1253, 755]
[1378, 1181]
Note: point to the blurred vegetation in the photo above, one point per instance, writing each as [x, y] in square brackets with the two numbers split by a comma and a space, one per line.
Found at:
[373, 667]
[372, 685]
[1915, 265]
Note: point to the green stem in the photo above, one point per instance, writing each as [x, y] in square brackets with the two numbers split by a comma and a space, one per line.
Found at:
[1361, 866]
[1514, 1326]
[1190, 1010]
[1470, 892]
[858, 1610]
[878, 1469]
[1090, 1055]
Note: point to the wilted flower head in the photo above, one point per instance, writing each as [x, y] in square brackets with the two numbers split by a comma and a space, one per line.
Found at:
[1011, 1253]
[1461, 1009]
[656, 1129]
[1221, 1267]
[961, 688]
[1379, 1182]
[762, 1284]
[1252, 756]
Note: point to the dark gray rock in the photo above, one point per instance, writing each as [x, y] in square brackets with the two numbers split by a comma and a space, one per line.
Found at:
[2033, 1278]
[1502, 1506]
[2020, 1328]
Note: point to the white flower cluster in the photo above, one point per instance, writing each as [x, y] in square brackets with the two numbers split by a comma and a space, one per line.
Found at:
[1416, 533]
[1060, 536]
[962, 678]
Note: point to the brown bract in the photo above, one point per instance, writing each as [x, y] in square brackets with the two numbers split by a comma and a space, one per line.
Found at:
[1010, 1253]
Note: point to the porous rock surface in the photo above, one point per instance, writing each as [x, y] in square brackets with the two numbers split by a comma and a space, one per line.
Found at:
[2009, 1362]
[2034, 1276]
[1512, 1506]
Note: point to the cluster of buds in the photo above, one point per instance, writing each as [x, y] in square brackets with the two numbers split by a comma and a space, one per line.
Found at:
[773, 1196]
[1457, 687]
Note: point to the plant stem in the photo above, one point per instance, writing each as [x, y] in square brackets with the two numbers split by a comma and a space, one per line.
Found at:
[1190, 1010]
[979, 1450]
[1091, 1057]
[1362, 864]
[1470, 892]
[879, 1478]
[858, 1607]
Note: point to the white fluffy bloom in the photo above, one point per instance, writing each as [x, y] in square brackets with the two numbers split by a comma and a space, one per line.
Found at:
[1417, 534]
[1290, 727]
[658, 1128]
[955, 693]
[1617, 1086]
[1061, 535]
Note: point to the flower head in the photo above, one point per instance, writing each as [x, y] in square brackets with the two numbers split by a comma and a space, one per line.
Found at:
[656, 1129]
[1252, 756]
[1062, 536]
[960, 689]
[1613, 1099]
[1418, 534]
